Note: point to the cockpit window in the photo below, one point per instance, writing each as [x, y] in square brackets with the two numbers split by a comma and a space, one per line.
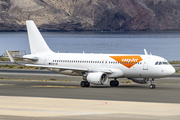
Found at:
[161, 63]
[165, 63]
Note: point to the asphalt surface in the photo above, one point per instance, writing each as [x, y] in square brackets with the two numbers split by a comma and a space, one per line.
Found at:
[10, 63]
[29, 71]
[167, 90]
[46, 84]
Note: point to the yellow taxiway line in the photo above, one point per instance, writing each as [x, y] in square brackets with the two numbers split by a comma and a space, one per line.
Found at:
[53, 86]
[6, 84]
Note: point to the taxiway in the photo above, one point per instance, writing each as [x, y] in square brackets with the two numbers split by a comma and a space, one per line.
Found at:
[35, 94]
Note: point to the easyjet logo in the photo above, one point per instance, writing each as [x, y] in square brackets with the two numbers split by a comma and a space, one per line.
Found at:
[128, 61]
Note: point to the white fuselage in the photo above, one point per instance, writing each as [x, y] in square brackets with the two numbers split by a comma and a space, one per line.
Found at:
[129, 68]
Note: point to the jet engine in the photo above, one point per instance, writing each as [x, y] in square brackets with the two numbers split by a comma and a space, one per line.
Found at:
[97, 78]
[140, 80]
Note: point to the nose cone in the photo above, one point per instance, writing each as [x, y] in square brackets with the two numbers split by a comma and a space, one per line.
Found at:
[171, 70]
[164, 71]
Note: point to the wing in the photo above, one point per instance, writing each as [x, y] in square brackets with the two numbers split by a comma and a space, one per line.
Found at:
[71, 68]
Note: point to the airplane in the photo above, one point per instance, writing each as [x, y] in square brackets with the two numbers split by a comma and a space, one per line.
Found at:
[95, 68]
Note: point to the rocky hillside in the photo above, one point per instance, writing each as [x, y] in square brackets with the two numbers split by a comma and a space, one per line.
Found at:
[90, 15]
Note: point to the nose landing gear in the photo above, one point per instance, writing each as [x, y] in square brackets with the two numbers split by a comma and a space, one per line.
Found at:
[152, 85]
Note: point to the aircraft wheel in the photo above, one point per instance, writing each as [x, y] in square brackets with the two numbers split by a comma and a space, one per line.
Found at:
[83, 84]
[112, 83]
[116, 83]
[152, 86]
[87, 84]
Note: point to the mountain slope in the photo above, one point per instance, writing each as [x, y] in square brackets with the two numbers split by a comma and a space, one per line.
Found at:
[90, 15]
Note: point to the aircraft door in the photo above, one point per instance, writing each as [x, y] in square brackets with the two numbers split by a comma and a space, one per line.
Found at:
[145, 64]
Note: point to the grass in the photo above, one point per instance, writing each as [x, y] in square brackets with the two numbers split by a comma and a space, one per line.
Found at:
[53, 79]
[174, 62]
[15, 66]
[18, 67]
[4, 59]
[7, 59]
[177, 70]
[129, 81]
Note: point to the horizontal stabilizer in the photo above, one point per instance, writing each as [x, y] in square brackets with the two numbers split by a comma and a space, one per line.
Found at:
[10, 57]
[31, 58]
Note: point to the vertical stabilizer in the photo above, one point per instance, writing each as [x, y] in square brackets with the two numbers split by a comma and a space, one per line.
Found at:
[36, 41]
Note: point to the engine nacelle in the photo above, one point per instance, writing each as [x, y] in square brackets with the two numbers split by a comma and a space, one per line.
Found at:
[97, 78]
[140, 80]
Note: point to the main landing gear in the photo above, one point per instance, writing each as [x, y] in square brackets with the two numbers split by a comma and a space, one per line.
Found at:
[152, 85]
[114, 83]
[85, 84]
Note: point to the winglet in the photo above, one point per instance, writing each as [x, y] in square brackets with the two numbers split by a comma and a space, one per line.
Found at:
[10, 57]
[145, 52]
